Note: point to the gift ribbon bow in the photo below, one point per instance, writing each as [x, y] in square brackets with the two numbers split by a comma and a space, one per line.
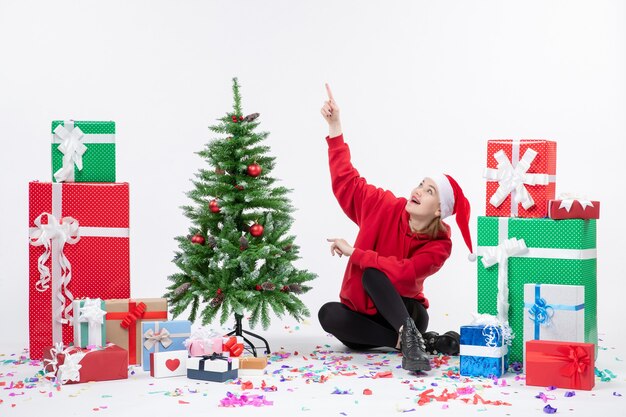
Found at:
[64, 231]
[152, 338]
[231, 346]
[70, 369]
[72, 148]
[92, 313]
[541, 312]
[567, 200]
[134, 315]
[493, 328]
[514, 179]
[500, 255]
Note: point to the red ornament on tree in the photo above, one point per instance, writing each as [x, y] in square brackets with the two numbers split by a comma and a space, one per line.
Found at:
[254, 170]
[258, 288]
[213, 206]
[239, 187]
[197, 239]
[256, 230]
[219, 291]
[285, 288]
[235, 120]
[240, 118]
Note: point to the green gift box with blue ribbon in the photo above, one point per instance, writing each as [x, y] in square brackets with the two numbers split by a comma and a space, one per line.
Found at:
[554, 312]
[513, 252]
[483, 352]
[83, 151]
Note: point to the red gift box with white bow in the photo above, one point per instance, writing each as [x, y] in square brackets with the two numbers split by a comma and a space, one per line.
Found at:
[79, 248]
[567, 365]
[74, 365]
[573, 208]
[521, 177]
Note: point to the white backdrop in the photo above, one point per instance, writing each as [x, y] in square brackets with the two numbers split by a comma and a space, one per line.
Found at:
[422, 86]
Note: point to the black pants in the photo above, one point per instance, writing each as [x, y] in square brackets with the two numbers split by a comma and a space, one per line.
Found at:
[361, 331]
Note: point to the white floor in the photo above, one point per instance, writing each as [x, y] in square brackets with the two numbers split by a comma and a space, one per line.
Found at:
[313, 375]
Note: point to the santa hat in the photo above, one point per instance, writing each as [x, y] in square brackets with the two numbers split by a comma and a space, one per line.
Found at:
[453, 201]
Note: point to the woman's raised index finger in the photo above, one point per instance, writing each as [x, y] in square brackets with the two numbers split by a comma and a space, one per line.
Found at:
[330, 93]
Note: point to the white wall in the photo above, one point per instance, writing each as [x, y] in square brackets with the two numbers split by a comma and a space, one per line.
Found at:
[422, 86]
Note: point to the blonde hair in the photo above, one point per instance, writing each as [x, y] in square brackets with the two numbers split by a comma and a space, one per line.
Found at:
[435, 228]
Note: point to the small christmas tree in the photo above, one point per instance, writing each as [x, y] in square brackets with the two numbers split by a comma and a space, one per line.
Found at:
[238, 256]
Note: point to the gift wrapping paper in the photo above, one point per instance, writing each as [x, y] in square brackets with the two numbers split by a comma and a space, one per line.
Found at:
[167, 364]
[573, 209]
[521, 177]
[554, 312]
[163, 336]
[83, 151]
[566, 365]
[79, 248]
[559, 252]
[124, 319]
[89, 323]
[215, 368]
[482, 352]
[75, 365]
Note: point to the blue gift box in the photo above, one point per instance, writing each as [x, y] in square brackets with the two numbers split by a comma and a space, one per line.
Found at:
[215, 368]
[163, 336]
[482, 351]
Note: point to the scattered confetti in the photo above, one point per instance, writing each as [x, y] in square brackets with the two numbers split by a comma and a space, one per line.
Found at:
[617, 394]
[548, 409]
[368, 391]
[570, 393]
[342, 392]
[232, 400]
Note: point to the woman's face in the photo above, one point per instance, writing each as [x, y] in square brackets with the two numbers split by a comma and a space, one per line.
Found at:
[424, 200]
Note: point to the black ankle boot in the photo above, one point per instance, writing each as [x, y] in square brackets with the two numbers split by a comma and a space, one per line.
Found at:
[447, 343]
[414, 357]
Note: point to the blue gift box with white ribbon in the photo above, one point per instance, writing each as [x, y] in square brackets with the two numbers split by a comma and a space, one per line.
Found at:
[163, 336]
[482, 352]
[554, 312]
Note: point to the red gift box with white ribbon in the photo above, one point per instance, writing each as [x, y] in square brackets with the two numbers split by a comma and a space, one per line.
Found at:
[573, 207]
[567, 365]
[74, 365]
[79, 248]
[521, 177]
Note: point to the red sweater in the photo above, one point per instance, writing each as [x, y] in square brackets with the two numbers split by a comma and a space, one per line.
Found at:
[385, 240]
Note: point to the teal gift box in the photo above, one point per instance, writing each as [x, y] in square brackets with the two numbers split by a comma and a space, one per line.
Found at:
[163, 336]
[482, 352]
[83, 151]
[558, 252]
[89, 322]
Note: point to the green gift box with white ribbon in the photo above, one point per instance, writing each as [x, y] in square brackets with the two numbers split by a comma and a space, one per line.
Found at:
[83, 151]
[89, 322]
[513, 252]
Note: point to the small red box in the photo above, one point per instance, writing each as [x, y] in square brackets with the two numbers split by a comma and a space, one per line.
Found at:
[560, 364]
[573, 209]
[104, 364]
[513, 170]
